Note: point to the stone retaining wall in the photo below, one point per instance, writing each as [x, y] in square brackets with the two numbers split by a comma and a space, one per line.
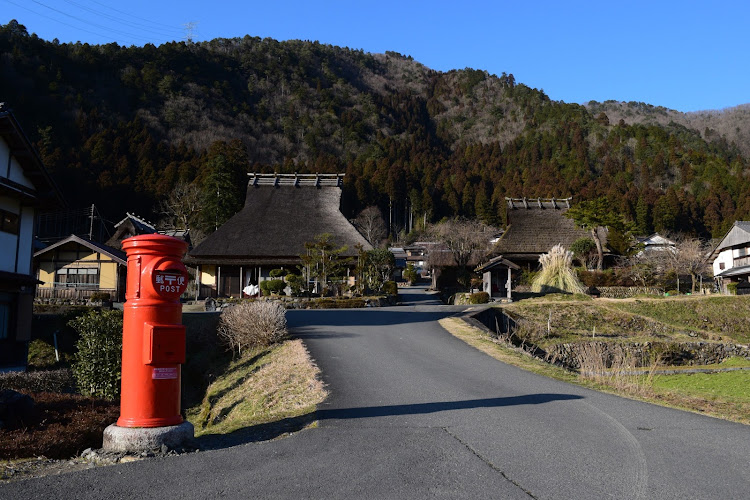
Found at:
[624, 292]
[671, 354]
[610, 292]
[500, 325]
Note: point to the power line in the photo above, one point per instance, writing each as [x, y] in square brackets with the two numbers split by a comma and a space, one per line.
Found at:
[90, 23]
[154, 30]
[56, 20]
[171, 28]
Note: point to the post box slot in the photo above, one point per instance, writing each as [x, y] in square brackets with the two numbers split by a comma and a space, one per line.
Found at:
[163, 344]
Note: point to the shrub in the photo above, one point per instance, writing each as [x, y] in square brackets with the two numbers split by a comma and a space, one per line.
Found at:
[295, 284]
[100, 297]
[390, 288]
[97, 364]
[527, 277]
[557, 274]
[272, 286]
[343, 303]
[479, 298]
[410, 274]
[40, 381]
[253, 324]
[278, 273]
[731, 288]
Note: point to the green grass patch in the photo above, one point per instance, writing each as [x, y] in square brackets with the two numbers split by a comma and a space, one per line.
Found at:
[546, 323]
[721, 316]
[730, 387]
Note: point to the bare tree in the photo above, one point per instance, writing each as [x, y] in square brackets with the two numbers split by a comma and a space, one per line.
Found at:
[370, 223]
[465, 239]
[642, 268]
[689, 257]
[181, 208]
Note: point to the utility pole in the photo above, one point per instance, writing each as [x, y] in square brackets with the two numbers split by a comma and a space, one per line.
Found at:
[91, 223]
[390, 216]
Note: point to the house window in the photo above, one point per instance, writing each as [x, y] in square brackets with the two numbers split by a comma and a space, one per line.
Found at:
[9, 222]
[77, 277]
[721, 266]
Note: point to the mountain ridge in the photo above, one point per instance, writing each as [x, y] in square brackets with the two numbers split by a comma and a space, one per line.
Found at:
[127, 124]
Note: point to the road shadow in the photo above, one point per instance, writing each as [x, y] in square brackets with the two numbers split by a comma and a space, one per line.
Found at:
[425, 408]
[273, 430]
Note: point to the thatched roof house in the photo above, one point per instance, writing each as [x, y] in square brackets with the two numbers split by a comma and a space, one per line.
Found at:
[281, 214]
[534, 227]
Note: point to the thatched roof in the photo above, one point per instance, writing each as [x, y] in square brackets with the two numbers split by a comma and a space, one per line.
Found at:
[274, 225]
[534, 227]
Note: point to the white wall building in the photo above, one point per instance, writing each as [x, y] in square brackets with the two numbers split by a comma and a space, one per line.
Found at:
[25, 186]
[731, 257]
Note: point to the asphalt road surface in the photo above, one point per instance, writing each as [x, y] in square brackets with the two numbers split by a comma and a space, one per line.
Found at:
[416, 413]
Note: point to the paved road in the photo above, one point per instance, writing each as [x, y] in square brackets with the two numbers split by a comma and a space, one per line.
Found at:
[415, 413]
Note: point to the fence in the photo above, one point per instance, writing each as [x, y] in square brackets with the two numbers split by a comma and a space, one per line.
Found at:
[73, 293]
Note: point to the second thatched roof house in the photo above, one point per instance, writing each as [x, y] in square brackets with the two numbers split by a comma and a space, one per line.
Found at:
[281, 214]
[535, 225]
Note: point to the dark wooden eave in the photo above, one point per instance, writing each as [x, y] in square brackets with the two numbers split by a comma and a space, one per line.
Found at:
[45, 192]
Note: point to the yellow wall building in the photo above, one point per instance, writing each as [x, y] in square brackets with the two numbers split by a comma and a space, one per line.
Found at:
[76, 267]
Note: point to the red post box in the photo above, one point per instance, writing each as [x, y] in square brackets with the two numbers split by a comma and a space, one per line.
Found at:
[153, 337]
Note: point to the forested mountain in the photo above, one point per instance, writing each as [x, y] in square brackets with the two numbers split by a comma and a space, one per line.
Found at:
[122, 126]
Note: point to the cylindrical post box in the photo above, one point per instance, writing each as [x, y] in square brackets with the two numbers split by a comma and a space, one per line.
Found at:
[153, 337]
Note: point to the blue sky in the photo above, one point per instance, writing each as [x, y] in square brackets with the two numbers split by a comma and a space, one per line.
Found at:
[683, 55]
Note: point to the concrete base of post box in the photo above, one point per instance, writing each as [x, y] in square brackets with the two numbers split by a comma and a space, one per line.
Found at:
[138, 439]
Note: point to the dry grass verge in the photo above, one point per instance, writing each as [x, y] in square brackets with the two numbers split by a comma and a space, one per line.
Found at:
[264, 385]
[650, 387]
[621, 371]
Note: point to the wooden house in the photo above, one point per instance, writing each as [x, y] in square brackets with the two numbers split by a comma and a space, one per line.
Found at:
[281, 214]
[25, 188]
[132, 225]
[534, 227]
[129, 226]
[655, 243]
[75, 268]
[730, 258]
